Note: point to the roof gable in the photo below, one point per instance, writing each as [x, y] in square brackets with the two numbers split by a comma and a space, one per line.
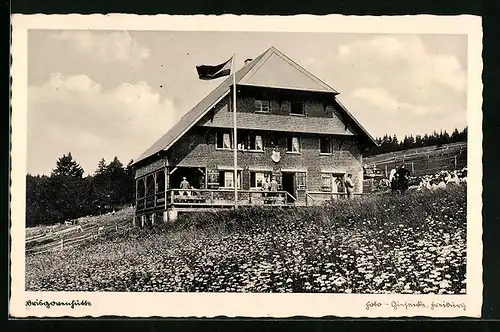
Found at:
[259, 72]
[276, 70]
[196, 113]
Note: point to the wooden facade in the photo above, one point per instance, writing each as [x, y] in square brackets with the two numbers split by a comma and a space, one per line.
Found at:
[298, 134]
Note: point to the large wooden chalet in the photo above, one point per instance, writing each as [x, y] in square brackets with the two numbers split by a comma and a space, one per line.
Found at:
[290, 126]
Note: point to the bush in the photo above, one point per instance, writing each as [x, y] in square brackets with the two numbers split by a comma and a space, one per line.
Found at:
[411, 208]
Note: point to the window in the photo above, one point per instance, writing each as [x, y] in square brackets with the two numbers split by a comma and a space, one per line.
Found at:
[300, 179]
[293, 145]
[150, 184]
[326, 182]
[245, 141]
[257, 179]
[224, 141]
[255, 143]
[297, 108]
[325, 145]
[227, 179]
[141, 188]
[331, 182]
[262, 106]
[160, 181]
[242, 139]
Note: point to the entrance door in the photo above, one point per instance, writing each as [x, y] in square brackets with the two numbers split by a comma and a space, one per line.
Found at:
[288, 185]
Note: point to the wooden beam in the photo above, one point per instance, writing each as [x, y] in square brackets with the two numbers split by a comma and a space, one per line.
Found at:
[172, 171]
[206, 178]
[155, 179]
[166, 185]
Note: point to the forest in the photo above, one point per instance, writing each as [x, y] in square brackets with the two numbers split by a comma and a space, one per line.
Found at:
[67, 194]
[391, 143]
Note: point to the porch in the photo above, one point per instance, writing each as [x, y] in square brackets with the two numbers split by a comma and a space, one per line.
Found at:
[195, 188]
[159, 193]
[211, 199]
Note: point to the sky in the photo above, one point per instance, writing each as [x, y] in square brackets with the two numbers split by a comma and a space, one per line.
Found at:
[101, 94]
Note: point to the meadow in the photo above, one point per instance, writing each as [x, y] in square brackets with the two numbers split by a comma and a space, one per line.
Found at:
[423, 161]
[412, 243]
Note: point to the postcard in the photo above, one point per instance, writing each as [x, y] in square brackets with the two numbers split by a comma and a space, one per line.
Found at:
[246, 166]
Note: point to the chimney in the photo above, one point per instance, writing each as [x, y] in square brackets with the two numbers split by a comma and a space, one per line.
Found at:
[247, 61]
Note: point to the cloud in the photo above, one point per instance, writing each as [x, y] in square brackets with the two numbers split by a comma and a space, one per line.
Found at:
[424, 67]
[344, 50]
[377, 97]
[383, 100]
[76, 83]
[75, 114]
[108, 46]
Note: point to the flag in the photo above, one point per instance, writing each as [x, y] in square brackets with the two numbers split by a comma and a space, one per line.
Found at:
[208, 72]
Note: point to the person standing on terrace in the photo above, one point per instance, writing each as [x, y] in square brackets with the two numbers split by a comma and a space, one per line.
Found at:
[266, 186]
[274, 186]
[349, 185]
[184, 185]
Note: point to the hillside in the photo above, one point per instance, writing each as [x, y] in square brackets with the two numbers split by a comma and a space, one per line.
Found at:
[44, 239]
[421, 161]
[414, 243]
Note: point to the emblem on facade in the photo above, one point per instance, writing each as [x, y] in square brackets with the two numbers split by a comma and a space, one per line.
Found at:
[276, 157]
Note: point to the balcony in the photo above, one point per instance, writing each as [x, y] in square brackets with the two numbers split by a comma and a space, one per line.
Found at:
[211, 199]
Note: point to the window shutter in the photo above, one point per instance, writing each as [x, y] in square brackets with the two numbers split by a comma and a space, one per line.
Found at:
[256, 105]
[266, 105]
[238, 179]
[220, 140]
[277, 175]
[246, 179]
[300, 181]
[326, 182]
[213, 179]
[259, 144]
[222, 179]
[296, 144]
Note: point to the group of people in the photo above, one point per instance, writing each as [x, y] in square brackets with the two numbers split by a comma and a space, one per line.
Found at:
[400, 179]
[273, 186]
[270, 186]
[345, 184]
[441, 180]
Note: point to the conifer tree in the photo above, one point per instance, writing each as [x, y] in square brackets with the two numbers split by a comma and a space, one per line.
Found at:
[64, 188]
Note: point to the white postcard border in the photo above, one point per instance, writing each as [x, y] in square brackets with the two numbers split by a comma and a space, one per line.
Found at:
[245, 305]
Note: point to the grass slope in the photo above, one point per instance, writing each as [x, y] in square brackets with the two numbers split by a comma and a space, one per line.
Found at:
[425, 160]
[50, 236]
[414, 243]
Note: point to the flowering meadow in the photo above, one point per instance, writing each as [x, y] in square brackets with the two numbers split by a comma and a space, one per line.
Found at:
[413, 243]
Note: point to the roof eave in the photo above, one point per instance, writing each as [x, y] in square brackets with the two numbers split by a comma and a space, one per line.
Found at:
[335, 93]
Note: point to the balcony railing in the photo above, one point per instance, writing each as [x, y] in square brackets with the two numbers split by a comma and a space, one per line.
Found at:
[212, 198]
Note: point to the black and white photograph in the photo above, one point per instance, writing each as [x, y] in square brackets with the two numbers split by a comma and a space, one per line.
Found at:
[245, 166]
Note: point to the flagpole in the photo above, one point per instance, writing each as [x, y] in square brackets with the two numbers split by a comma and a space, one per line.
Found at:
[235, 142]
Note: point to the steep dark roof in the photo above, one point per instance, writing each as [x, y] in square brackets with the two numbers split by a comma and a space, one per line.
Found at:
[197, 112]
[280, 72]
